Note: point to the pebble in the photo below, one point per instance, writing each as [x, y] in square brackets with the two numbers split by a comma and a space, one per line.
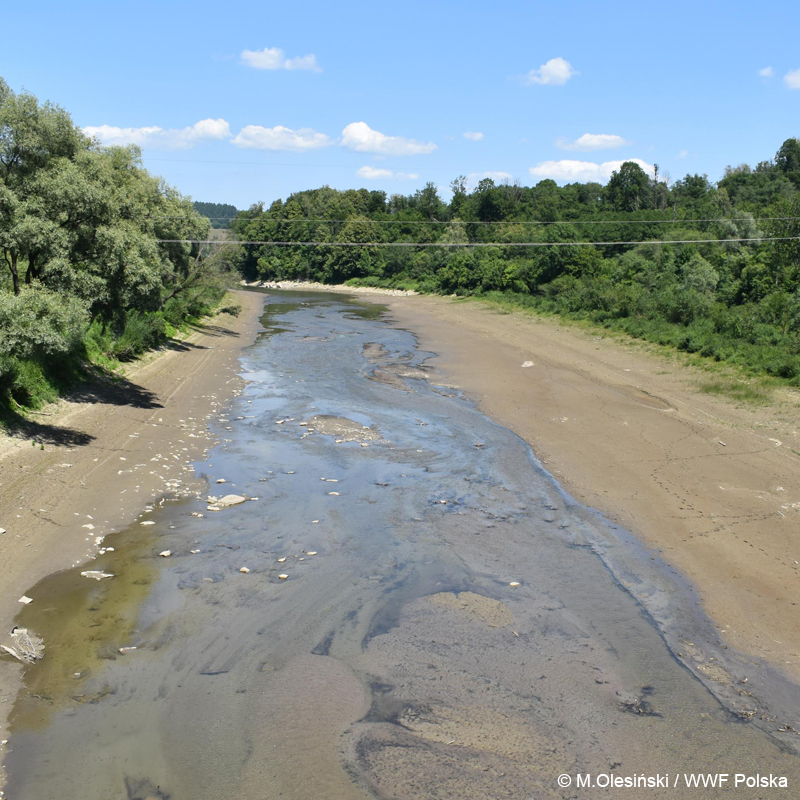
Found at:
[283, 576]
[514, 583]
[146, 522]
[281, 560]
[244, 569]
[97, 574]
[311, 553]
[25, 599]
[165, 553]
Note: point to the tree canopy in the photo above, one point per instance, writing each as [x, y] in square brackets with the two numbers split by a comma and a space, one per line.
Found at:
[82, 230]
[718, 295]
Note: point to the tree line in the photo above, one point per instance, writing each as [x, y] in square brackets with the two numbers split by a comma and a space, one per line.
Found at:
[725, 283]
[83, 274]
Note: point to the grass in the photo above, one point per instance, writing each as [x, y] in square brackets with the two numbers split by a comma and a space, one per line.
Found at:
[742, 391]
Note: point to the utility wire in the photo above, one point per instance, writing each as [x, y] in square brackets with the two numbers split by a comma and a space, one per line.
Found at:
[478, 244]
[504, 222]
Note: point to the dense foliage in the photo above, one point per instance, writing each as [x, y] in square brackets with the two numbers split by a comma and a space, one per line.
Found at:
[81, 265]
[219, 214]
[717, 295]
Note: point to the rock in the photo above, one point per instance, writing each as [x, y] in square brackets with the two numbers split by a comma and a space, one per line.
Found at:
[514, 583]
[311, 553]
[229, 500]
[124, 650]
[165, 553]
[146, 522]
[333, 494]
[97, 574]
[528, 364]
[25, 599]
[221, 480]
[244, 569]
[281, 560]
[283, 576]
[194, 552]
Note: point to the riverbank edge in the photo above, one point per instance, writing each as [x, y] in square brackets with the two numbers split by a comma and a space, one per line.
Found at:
[60, 498]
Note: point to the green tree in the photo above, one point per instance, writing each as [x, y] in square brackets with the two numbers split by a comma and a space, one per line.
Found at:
[628, 187]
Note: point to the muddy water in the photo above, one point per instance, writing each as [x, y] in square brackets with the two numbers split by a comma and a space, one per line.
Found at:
[449, 623]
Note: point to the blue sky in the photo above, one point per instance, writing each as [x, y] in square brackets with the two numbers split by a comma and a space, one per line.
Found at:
[241, 102]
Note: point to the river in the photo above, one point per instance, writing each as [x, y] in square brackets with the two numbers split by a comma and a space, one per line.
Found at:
[406, 606]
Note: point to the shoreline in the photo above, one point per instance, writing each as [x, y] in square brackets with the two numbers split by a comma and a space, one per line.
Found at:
[713, 489]
[109, 452]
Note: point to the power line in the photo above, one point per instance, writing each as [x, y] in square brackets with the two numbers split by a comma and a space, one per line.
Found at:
[479, 244]
[505, 222]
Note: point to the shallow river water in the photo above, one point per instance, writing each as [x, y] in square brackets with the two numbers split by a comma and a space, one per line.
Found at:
[451, 624]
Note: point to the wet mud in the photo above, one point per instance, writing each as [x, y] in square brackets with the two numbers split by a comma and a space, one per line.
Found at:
[406, 606]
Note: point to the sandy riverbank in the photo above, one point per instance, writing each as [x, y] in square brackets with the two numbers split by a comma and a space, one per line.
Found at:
[108, 452]
[313, 286]
[712, 486]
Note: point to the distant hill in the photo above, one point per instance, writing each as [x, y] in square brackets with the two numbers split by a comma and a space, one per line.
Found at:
[220, 214]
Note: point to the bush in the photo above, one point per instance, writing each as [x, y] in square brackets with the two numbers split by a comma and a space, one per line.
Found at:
[39, 322]
[143, 331]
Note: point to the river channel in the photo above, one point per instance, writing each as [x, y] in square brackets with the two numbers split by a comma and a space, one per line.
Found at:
[406, 606]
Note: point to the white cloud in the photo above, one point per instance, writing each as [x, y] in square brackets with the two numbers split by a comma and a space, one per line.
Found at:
[374, 174]
[360, 137]
[582, 171]
[474, 136]
[593, 141]
[683, 153]
[792, 79]
[555, 72]
[275, 58]
[766, 72]
[279, 138]
[160, 138]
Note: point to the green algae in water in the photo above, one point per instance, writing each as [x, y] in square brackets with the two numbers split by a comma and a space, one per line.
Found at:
[84, 622]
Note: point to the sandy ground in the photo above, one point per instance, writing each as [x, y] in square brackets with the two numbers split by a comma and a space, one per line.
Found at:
[108, 452]
[712, 486]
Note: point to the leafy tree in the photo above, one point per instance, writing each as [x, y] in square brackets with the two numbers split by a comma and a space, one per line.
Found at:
[787, 159]
[628, 187]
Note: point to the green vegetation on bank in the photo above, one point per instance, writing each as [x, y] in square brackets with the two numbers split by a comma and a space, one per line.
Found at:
[85, 277]
[730, 294]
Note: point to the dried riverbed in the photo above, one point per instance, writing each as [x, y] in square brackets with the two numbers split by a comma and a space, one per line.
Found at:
[405, 606]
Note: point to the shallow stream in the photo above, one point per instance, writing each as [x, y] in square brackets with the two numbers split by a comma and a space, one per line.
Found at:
[450, 623]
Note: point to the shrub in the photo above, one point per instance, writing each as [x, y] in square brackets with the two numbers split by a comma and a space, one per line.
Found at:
[143, 331]
[39, 322]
